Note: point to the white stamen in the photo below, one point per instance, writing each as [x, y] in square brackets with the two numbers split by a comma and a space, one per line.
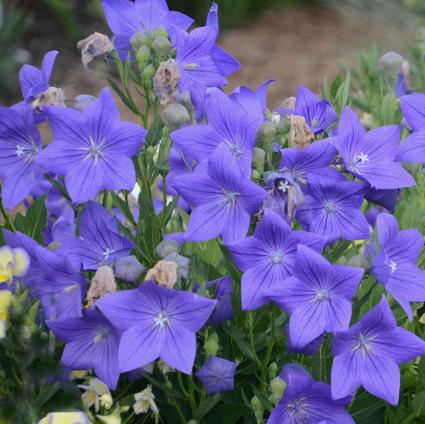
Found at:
[161, 320]
[393, 266]
[192, 66]
[95, 150]
[277, 257]
[363, 158]
[330, 207]
[322, 295]
[283, 186]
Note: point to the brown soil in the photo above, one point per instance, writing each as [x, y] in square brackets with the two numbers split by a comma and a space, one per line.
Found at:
[300, 45]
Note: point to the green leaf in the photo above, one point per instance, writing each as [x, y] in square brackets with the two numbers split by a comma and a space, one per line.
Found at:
[418, 404]
[242, 342]
[125, 99]
[206, 406]
[47, 393]
[34, 221]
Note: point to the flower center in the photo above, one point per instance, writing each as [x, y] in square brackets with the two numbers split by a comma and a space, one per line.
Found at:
[283, 186]
[363, 344]
[299, 408]
[106, 253]
[362, 158]
[27, 152]
[322, 295]
[94, 150]
[277, 257]
[235, 148]
[161, 320]
[330, 207]
[392, 266]
[230, 199]
[101, 335]
[315, 123]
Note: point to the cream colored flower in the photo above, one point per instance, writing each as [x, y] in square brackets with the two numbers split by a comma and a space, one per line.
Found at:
[93, 393]
[145, 400]
[101, 284]
[65, 418]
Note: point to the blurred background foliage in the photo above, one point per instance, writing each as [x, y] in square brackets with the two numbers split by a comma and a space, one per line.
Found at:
[27, 24]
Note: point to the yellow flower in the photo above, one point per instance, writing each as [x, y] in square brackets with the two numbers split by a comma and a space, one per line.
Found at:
[13, 263]
[5, 301]
[65, 418]
[145, 400]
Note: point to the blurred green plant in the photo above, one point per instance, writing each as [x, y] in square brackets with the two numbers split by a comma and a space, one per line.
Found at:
[231, 12]
[13, 24]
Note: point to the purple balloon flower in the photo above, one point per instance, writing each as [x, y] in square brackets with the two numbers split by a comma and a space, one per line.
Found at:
[59, 287]
[268, 257]
[223, 294]
[126, 18]
[198, 70]
[20, 143]
[157, 323]
[225, 63]
[308, 401]
[223, 199]
[333, 211]
[99, 242]
[35, 81]
[413, 147]
[253, 103]
[318, 296]
[371, 155]
[217, 375]
[227, 125]
[368, 355]
[91, 342]
[395, 264]
[318, 114]
[92, 149]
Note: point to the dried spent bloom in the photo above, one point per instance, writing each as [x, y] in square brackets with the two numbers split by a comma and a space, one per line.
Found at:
[101, 284]
[93, 46]
[300, 134]
[53, 96]
[164, 273]
[166, 80]
[145, 400]
[65, 418]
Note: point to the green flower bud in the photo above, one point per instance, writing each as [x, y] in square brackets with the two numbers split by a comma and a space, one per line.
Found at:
[283, 127]
[211, 347]
[169, 385]
[273, 370]
[267, 132]
[161, 45]
[255, 175]
[192, 422]
[277, 387]
[142, 57]
[148, 74]
[138, 40]
[259, 158]
[161, 31]
[258, 408]
[175, 115]
[391, 62]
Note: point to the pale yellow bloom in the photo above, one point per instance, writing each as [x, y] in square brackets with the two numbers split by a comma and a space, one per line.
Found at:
[65, 418]
[13, 263]
[5, 301]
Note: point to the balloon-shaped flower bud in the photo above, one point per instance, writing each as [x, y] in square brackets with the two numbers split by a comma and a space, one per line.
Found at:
[175, 116]
[128, 269]
[391, 62]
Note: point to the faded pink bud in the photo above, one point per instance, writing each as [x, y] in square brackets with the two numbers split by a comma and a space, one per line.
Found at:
[93, 46]
[101, 284]
[164, 273]
[166, 80]
[300, 134]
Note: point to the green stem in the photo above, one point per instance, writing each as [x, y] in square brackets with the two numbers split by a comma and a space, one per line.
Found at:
[251, 339]
[269, 352]
[6, 217]
[182, 387]
[192, 399]
[179, 411]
